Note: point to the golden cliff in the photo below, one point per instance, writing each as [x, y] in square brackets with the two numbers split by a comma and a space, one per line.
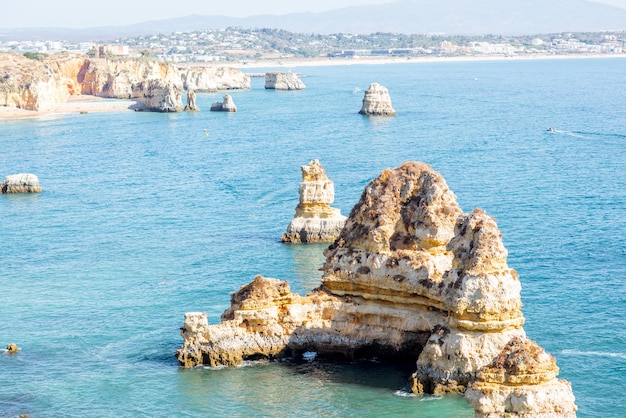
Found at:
[410, 277]
[44, 84]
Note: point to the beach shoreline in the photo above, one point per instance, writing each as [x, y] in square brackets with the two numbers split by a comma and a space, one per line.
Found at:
[75, 104]
[88, 104]
[369, 60]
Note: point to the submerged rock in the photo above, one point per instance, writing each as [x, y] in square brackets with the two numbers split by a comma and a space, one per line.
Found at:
[315, 220]
[283, 81]
[228, 105]
[377, 102]
[20, 183]
[12, 348]
[409, 277]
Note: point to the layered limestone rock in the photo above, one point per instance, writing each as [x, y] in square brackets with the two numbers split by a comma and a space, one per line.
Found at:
[315, 220]
[228, 105]
[20, 183]
[283, 81]
[32, 84]
[521, 382]
[42, 85]
[377, 102]
[410, 276]
[211, 79]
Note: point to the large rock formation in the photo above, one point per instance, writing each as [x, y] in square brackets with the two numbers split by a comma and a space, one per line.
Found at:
[211, 79]
[156, 86]
[521, 382]
[315, 220]
[283, 81]
[20, 183]
[377, 102]
[34, 84]
[410, 276]
[228, 105]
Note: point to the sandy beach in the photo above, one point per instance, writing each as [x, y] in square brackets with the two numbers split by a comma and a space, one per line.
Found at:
[75, 104]
[82, 104]
[369, 60]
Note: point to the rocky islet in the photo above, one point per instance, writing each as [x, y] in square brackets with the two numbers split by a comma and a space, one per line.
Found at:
[410, 276]
[315, 220]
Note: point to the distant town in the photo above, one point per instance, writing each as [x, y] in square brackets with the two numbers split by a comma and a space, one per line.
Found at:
[250, 45]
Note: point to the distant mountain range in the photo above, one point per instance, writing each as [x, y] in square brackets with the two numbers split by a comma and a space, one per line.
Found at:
[449, 17]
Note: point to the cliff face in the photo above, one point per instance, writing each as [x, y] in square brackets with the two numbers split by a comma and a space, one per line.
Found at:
[156, 86]
[42, 85]
[32, 84]
[209, 79]
[410, 276]
[315, 220]
[283, 81]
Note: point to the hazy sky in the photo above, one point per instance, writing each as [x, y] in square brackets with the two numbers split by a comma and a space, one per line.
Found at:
[82, 14]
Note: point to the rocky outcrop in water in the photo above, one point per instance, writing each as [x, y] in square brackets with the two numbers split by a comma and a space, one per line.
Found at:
[377, 102]
[12, 348]
[315, 220]
[410, 276]
[20, 183]
[228, 105]
[283, 81]
[521, 382]
[211, 79]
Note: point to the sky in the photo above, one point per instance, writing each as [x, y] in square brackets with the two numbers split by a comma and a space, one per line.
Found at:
[82, 14]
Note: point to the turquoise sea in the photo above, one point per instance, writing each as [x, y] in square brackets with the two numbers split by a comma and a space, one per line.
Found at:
[144, 217]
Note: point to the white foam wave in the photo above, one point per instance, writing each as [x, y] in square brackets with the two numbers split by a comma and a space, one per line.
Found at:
[431, 398]
[594, 354]
[404, 394]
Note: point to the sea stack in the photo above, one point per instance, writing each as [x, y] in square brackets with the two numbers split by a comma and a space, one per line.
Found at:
[377, 102]
[20, 183]
[228, 105]
[283, 81]
[411, 276]
[191, 102]
[315, 220]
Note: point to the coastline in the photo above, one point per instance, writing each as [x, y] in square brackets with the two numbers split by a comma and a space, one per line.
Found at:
[86, 103]
[369, 60]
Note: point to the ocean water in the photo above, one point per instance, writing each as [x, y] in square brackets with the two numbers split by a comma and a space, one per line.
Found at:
[146, 216]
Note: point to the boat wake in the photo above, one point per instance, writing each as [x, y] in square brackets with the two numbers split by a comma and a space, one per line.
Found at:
[594, 354]
[586, 135]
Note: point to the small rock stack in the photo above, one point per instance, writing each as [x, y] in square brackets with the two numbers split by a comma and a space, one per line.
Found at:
[377, 102]
[315, 220]
[228, 105]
